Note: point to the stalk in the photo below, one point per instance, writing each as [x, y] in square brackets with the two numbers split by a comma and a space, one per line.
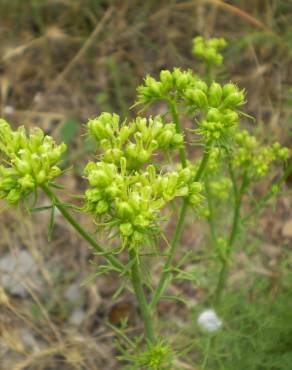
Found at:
[233, 234]
[174, 112]
[211, 212]
[76, 225]
[139, 292]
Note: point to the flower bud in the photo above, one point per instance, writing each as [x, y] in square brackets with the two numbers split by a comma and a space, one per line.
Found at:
[21, 166]
[201, 85]
[54, 172]
[229, 89]
[13, 196]
[141, 221]
[101, 207]
[41, 177]
[166, 78]
[199, 98]
[98, 178]
[234, 99]
[93, 195]
[214, 115]
[26, 182]
[7, 184]
[182, 81]
[185, 174]
[165, 138]
[126, 229]
[124, 210]
[215, 94]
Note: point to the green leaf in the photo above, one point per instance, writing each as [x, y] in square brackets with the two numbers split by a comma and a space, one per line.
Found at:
[51, 223]
[69, 130]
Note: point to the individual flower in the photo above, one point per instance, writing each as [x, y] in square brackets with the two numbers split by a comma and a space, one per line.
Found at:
[209, 321]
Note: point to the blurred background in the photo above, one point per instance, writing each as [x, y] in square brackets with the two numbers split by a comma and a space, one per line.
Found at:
[64, 61]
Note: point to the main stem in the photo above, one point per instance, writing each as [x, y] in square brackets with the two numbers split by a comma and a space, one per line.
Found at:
[76, 225]
[139, 292]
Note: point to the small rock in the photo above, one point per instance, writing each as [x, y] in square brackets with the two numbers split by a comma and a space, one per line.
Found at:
[77, 317]
[29, 340]
[287, 229]
[73, 293]
[14, 269]
[8, 110]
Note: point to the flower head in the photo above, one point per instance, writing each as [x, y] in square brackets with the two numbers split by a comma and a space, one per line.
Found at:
[125, 191]
[208, 50]
[28, 161]
[209, 321]
[255, 159]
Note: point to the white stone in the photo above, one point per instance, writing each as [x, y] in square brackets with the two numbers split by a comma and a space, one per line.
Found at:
[77, 317]
[14, 269]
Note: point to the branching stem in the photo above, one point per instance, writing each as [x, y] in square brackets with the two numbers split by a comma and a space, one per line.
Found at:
[76, 225]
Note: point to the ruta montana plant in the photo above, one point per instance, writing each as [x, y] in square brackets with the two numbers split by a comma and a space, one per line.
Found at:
[141, 169]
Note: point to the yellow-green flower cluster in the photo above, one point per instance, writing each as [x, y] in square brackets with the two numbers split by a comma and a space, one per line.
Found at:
[124, 192]
[169, 85]
[208, 50]
[136, 140]
[221, 188]
[28, 161]
[158, 356]
[254, 159]
[221, 117]
[215, 160]
[216, 106]
[131, 201]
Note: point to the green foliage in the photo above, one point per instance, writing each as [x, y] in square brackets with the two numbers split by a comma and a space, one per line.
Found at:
[69, 131]
[255, 335]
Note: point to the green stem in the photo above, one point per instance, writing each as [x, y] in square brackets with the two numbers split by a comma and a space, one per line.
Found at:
[211, 212]
[76, 225]
[209, 73]
[234, 231]
[174, 111]
[139, 292]
[176, 236]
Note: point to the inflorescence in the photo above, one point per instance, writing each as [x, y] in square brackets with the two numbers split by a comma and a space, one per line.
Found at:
[126, 191]
[27, 161]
